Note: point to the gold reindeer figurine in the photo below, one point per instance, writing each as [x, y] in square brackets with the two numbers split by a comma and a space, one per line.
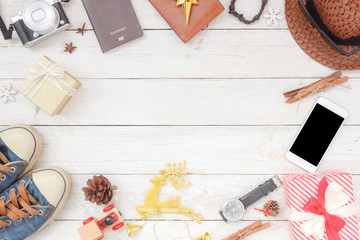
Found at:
[154, 206]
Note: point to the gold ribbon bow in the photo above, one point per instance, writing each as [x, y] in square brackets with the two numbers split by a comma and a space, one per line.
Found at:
[186, 5]
[53, 72]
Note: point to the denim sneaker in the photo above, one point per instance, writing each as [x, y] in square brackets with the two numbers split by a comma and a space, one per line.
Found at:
[33, 202]
[20, 147]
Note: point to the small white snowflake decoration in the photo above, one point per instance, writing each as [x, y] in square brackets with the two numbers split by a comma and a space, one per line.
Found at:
[273, 17]
[7, 93]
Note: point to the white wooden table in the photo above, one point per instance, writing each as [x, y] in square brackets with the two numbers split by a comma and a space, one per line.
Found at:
[216, 102]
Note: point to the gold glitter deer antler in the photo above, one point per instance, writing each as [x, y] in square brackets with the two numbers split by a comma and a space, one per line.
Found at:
[175, 176]
[186, 5]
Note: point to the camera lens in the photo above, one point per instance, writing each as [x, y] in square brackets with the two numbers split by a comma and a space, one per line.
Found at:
[41, 17]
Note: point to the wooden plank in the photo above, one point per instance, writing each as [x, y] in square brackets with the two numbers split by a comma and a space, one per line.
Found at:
[179, 102]
[209, 150]
[167, 230]
[151, 19]
[205, 195]
[160, 54]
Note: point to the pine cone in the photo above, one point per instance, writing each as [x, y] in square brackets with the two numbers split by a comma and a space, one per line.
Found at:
[274, 208]
[99, 190]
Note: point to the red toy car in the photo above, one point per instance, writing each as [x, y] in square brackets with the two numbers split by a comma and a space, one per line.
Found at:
[93, 229]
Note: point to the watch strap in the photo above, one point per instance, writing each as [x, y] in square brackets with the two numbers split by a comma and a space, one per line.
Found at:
[222, 216]
[259, 192]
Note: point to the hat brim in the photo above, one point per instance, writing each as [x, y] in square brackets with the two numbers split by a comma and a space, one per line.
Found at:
[312, 42]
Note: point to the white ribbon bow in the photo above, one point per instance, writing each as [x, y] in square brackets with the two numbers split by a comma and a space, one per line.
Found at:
[52, 72]
[335, 199]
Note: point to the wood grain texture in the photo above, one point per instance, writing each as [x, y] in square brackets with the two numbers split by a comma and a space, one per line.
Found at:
[166, 230]
[182, 102]
[209, 150]
[161, 54]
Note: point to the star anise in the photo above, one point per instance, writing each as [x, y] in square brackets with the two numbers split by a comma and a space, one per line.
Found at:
[82, 30]
[69, 48]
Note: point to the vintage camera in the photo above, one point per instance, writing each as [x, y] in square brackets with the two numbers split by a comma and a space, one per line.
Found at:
[40, 20]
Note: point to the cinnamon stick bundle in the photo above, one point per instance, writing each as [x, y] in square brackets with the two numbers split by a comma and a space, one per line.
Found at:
[247, 231]
[316, 87]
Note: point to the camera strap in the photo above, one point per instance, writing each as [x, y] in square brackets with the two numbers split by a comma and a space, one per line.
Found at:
[7, 33]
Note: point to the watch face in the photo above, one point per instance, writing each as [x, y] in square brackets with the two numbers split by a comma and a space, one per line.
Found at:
[233, 210]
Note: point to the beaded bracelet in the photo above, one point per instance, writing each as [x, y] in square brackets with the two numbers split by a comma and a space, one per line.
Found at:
[241, 16]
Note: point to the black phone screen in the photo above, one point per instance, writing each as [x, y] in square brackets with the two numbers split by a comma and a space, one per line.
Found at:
[316, 134]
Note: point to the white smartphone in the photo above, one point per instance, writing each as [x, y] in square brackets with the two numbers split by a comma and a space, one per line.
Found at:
[316, 134]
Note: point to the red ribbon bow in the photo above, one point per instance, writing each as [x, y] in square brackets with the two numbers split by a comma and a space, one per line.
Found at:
[333, 224]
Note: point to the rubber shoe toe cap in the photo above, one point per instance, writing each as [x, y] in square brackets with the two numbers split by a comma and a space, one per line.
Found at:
[53, 183]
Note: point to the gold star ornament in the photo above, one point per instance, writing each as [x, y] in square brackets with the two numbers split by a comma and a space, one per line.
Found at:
[186, 5]
[206, 236]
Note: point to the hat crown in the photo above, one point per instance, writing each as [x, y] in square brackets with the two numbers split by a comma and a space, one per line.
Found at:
[342, 17]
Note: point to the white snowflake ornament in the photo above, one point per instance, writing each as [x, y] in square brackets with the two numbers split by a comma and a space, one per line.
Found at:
[273, 17]
[7, 93]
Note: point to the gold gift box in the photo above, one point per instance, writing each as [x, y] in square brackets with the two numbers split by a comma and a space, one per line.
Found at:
[48, 96]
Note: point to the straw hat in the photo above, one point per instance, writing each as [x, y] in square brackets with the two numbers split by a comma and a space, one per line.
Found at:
[342, 18]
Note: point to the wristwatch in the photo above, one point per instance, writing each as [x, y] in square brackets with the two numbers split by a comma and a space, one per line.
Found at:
[233, 210]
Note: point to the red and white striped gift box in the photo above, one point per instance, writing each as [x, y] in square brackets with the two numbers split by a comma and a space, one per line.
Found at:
[300, 188]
